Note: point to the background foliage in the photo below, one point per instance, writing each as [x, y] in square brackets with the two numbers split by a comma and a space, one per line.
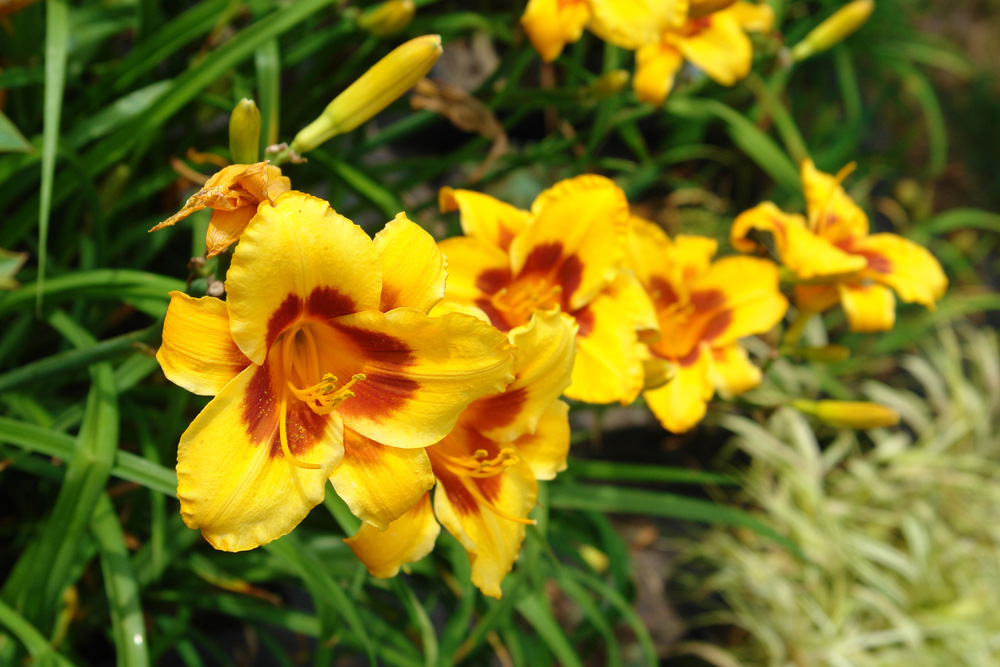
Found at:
[102, 102]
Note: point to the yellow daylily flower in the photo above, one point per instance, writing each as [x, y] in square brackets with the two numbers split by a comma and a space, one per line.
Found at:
[324, 365]
[716, 43]
[566, 252]
[552, 24]
[703, 308]
[487, 468]
[233, 194]
[833, 250]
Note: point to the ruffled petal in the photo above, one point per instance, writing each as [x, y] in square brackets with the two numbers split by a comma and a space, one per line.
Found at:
[546, 449]
[903, 265]
[803, 252]
[406, 540]
[476, 271]
[297, 260]
[197, 352]
[413, 268]
[608, 364]
[737, 297]
[232, 478]
[544, 350]
[472, 508]
[656, 67]
[832, 214]
[682, 402]
[380, 483]
[718, 47]
[732, 371]
[753, 17]
[869, 307]
[484, 217]
[218, 193]
[420, 372]
[576, 238]
[226, 227]
[631, 24]
[552, 24]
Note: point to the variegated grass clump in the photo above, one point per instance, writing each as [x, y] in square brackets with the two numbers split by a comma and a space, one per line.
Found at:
[899, 533]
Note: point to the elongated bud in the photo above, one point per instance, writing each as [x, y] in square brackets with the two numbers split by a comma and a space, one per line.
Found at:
[849, 414]
[244, 132]
[826, 354]
[700, 8]
[388, 18]
[835, 29]
[375, 90]
[608, 84]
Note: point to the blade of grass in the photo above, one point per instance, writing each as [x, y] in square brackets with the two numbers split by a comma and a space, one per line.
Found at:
[641, 472]
[547, 627]
[38, 647]
[127, 625]
[267, 60]
[56, 48]
[114, 284]
[360, 182]
[11, 139]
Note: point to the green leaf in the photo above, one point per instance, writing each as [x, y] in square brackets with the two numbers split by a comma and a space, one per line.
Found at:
[656, 503]
[547, 627]
[10, 263]
[56, 47]
[361, 183]
[38, 647]
[127, 624]
[11, 139]
[641, 472]
[148, 291]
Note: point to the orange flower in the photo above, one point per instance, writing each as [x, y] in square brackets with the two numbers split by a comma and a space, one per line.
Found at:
[233, 194]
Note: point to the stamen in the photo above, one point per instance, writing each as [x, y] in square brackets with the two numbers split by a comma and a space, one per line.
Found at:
[324, 396]
[520, 300]
[283, 434]
[818, 222]
[478, 466]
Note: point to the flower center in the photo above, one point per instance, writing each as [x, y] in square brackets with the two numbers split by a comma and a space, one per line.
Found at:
[300, 363]
[480, 466]
[518, 301]
[819, 219]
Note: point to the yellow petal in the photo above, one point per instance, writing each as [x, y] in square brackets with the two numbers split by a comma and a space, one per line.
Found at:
[380, 483]
[832, 214]
[226, 227]
[816, 298]
[693, 254]
[484, 217]
[546, 449]
[681, 403]
[806, 254]
[608, 354]
[218, 193]
[753, 17]
[869, 308]
[740, 297]
[732, 371]
[407, 539]
[476, 271]
[232, 478]
[543, 363]
[462, 504]
[420, 372]
[413, 269]
[656, 67]
[552, 24]
[632, 23]
[198, 353]
[903, 265]
[298, 259]
[576, 237]
[719, 47]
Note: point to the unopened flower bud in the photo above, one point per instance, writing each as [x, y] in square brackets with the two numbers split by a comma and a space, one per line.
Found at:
[388, 18]
[608, 84]
[700, 8]
[849, 414]
[835, 29]
[375, 90]
[244, 132]
[826, 354]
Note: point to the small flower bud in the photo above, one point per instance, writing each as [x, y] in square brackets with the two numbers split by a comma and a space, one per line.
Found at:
[608, 84]
[835, 29]
[244, 132]
[827, 354]
[375, 90]
[849, 414]
[388, 18]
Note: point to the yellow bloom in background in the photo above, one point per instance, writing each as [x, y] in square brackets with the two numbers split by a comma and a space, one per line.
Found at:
[715, 43]
[552, 24]
[703, 308]
[566, 252]
[487, 468]
[324, 365]
[840, 262]
[233, 194]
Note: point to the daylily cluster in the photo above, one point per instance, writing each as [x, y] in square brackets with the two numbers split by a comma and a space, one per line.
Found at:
[710, 34]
